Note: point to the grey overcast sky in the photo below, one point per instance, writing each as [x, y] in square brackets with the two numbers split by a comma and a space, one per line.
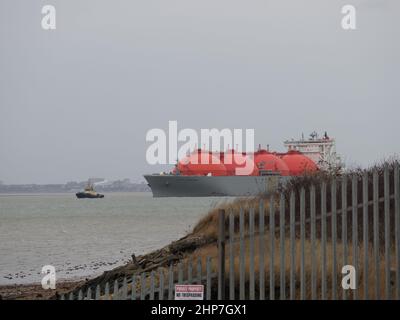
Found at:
[77, 102]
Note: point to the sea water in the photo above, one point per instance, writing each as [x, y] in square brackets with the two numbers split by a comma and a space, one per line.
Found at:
[84, 237]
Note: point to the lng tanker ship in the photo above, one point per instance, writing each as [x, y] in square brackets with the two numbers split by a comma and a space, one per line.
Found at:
[203, 173]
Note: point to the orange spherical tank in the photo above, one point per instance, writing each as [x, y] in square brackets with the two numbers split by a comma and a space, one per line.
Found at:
[234, 160]
[201, 163]
[298, 163]
[268, 161]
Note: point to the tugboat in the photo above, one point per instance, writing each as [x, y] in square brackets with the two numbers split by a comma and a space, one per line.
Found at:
[89, 192]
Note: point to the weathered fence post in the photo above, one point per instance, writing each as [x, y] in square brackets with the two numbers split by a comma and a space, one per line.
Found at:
[161, 284]
[133, 290]
[231, 256]
[97, 295]
[292, 245]
[208, 278]
[376, 232]
[386, 192]
[365, 231]
[115, 290]
[170, 282]
[272, 248]
[282, 247]
[143, 286]
[313, 247]
[323, 240]
[302, 244]
[190, 271]
[221, 254]
[397, 225]
[261, 236]
[107, 291]
[252, 271]
[152, 285]
[124, 289]
[344, 226]
[242, 273]
[89, 294]
[180, 273]
[334, 238]
[354, 204]
[199, 271]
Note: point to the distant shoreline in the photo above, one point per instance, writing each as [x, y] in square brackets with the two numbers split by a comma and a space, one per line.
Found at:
[124, 185]
[58, 193]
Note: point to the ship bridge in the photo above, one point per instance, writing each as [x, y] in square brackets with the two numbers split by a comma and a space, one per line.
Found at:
[322, 150]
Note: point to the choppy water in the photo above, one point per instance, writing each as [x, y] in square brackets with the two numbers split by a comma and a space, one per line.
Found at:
[87, 236]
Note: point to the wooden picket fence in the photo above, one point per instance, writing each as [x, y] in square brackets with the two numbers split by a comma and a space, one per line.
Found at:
[310, 235]
[294, 246]
[152, 285]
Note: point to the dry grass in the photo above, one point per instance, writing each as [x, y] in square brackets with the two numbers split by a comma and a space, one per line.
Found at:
[208, 225]
[212, 251]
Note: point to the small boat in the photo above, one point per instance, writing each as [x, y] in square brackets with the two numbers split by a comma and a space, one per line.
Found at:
[89, 192]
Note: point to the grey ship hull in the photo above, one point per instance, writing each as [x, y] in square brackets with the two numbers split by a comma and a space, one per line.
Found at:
[208, 186]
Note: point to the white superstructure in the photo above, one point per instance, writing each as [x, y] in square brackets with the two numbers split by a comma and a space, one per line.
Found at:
[321, 150]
